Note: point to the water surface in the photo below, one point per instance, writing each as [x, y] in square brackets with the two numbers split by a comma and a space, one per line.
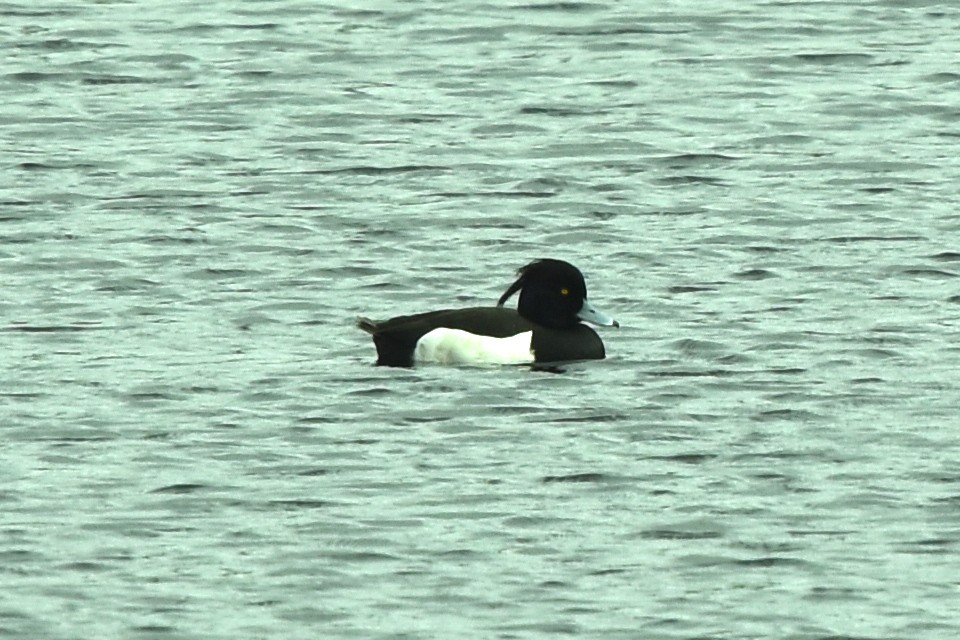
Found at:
[196, 203]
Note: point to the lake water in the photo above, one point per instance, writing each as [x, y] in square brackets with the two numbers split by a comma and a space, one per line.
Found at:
[197, 199]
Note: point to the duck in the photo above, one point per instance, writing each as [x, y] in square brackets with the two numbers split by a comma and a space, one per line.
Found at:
[546, 327]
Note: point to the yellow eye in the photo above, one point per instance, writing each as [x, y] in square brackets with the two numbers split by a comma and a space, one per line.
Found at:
[564, 291]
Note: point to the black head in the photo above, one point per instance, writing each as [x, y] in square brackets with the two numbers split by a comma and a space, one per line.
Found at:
[552, 294]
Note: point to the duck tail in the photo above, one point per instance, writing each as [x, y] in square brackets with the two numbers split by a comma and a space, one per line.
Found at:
[367, 325]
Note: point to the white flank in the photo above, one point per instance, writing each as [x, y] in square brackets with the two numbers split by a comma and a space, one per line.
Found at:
[454, 346]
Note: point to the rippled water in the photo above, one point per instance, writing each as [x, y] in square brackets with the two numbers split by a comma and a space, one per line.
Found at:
[197, 201]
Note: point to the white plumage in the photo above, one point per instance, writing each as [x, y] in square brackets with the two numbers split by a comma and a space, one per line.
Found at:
[455, 346]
